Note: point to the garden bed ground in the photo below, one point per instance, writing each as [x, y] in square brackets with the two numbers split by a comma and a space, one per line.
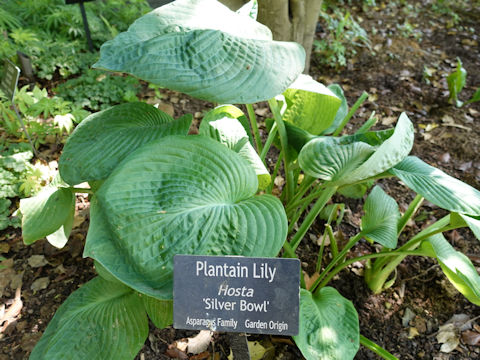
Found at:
[405, 319]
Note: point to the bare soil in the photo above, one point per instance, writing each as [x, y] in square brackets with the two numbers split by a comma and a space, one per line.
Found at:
[404, 319]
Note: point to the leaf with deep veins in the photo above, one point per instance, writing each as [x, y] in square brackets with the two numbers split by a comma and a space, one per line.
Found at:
[328, 326]
[351, 159]
[180, 195]
[202, 48]
[101, 320]
[104, 139]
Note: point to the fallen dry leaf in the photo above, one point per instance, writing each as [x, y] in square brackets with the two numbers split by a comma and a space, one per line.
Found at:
[389, 120]
[279, 181]
[166, 107]
[36, 261]
[471, 338]
[176, 354]
[11, 314]
[40, 284]
[193, 345]
[202, 356]
[413, 332]
[4, 248]
[449, 121]
[261, 351]
[445, 158]
[261, 111]
[460, 321]
[448, 334]
[309, 280]
[448, 337]
[7, 273]
[408, 315]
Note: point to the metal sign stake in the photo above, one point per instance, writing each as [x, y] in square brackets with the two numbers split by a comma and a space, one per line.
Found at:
[85, 21]
[85, 25]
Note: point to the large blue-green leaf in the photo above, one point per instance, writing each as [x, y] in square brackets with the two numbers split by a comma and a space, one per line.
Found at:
[351, 159]
[47, 213]
[202, 48]
[159, 311]
[457, 267]
[101, 320]
[380, 222]
[438, 187]
[325, 158]
[310, 105]
[328, 326]
[388, 154]
[180, 195]
[222, 125]
[104, 139]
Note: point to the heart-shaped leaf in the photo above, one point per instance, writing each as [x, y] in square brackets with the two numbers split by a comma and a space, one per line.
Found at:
[328, 326]
[101, 320]
[379, 224]
[457, 267]
[310, 105]
[46, 213]
[159, 311]
[222, 125]
[388, 154]
[105, 138]
[438, 187]
[351, 159]
[325, 158]
[203, 49]
[180, 195]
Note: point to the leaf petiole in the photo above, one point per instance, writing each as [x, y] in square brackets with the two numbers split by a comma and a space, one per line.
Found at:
[254, 124]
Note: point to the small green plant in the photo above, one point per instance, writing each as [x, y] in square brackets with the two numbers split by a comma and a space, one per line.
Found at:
[94, 90]
[446, 7]
[8, 21]
[51, 33]
[44, 115]
[19, 177]
[409, 30]
[344, 35]
[156, 191]
[456, 82]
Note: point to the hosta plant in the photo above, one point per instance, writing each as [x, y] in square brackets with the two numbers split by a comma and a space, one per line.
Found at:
[156, 191]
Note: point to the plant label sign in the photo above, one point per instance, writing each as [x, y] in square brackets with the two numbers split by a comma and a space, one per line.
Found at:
[236, 294]
[9, 81]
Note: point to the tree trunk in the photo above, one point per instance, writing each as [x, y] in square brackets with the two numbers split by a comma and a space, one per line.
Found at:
[289, 20]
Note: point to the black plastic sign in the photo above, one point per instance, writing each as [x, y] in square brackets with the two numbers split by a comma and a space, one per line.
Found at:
[8, 83]
[236, 294]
